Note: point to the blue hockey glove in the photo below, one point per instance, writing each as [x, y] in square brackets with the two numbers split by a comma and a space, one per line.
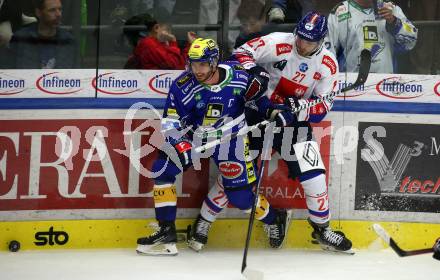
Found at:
[281, 114]
[258, 82]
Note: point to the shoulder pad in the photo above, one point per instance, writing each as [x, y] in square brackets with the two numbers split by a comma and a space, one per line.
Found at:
[330, 63]
[181, 81]
[234, 64]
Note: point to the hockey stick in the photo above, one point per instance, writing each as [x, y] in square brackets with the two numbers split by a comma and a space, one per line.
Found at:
[390, 241]
[254, 274]
[364, 70]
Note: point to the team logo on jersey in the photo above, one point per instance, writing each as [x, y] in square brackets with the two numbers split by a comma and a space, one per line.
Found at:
[213, 113]
[330, 63]
[283, 48]
[317, 76]
[200, 105]
[280, 65]
[370, 34]
[216, 88]
[303, 67]
[371, 40]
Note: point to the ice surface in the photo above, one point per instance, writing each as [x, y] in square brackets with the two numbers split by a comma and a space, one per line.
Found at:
[214, 264]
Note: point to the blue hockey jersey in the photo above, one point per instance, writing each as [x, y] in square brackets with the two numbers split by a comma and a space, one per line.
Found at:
[205, 108]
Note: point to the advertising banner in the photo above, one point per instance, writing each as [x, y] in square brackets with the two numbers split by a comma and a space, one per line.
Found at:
[84, 164]
[156, 83]
[64, 83]
[67, 164]
[398, 167]
[49, 83]
[393, 88]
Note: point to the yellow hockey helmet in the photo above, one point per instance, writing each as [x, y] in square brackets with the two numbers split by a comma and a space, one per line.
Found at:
[204, 50]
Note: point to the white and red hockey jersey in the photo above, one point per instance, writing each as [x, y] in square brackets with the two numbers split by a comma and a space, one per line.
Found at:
[291, 74]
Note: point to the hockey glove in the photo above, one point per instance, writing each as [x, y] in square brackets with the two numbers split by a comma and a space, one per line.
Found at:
[314, 114]
[258, 82]
[281, 114]
[183, 149]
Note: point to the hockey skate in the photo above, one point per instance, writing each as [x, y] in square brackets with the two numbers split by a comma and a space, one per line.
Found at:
[199, 234]
[162, 242]
[278, 230]
[330, 240]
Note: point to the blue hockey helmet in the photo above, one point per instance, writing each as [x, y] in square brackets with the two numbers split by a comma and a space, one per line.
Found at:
[312, 27]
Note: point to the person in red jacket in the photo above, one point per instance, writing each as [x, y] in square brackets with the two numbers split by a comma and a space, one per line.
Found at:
[159, 50]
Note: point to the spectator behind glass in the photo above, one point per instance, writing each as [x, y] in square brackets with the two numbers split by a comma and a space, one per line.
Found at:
[159, 49]
[133, 33]
[379, 26]
[253, 22]
[425, 58]
[289, 11]
[12, 17]
[252, 16]
[43, 45]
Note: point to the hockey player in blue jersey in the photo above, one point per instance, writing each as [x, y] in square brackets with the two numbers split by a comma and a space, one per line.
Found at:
[209, 97]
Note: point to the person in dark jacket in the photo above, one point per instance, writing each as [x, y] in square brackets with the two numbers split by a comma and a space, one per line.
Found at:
[43, 45]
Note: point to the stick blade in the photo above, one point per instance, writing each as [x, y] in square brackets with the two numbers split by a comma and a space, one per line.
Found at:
[381, 232]
[252, 274]
[364, 70]
[364, 67]
[390, 241]
[243, 265]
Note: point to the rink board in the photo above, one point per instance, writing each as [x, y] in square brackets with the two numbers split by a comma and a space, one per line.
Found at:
[225, 233]
[111, 209]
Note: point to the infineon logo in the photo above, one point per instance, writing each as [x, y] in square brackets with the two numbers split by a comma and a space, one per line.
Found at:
[437, 88]
[109, 84]
[358, 91]
[10, 86]
[393, 87]
[53, 83]
[161, 83]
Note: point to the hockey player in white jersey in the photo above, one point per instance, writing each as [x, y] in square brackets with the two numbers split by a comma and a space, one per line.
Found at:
[300, 69]
[379, 26]
[208, 98]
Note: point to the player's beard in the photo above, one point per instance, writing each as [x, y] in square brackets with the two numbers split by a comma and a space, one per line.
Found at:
[208, 76]
[303, 53]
